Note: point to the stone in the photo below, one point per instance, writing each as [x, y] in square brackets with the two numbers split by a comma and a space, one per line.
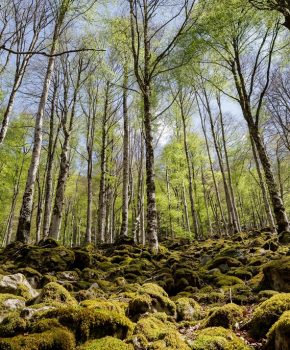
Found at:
[17, 284]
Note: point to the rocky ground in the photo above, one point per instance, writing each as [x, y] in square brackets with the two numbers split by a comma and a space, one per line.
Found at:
[218, 294]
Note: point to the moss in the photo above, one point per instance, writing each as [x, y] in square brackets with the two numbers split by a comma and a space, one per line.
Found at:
[89, 323]
[139, 305]
[153, 328]
[47, 278]
[188, 309]
[218, 338]
[276, 275]
[267, 313]
[278, 336]
[57, 338]
[225, 316]
[210, 298]
[224, 260]
[221, 280]
[160, 299]
[241, 273]
[46, 259]
[101, 304]
[171, 341]
[55, 292]
[12, 325]
[184, 277]
[106, 343]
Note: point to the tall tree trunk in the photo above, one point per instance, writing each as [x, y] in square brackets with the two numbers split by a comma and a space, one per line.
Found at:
[263, 188]
[190, 176]
[125, 190]
[23, 230]
[102, 189]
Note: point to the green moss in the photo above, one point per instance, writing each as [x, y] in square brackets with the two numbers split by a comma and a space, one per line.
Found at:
[55, 292]
[221, 280]
[58, 338]
[267, 313]
[160, 299]
[89, 323]
[225, 316]
[102, 304]
[218, 338]
[276, 275]
[188, 309]
[12, 325]
[153, 328]
[224, 260]
[171, 341]
[278, 336]
[241, 273]
[106, 343]
[139, 305]
[210, 298]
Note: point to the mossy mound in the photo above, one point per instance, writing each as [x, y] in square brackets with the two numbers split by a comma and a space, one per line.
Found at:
[54, 339]
[218, 338]
[188, 309]
[106, 343]
[267, 313]
[87, 323]
[55, 292]
[42, 259]
[155, 332]
[102, 304]
[225, 316]
[12, 325]
[150, 297]
[278, 337]
[277, 275]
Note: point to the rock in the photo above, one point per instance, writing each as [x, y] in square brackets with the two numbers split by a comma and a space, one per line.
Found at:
[218, 338]
[68, 276]
[57, 338]
[29, 312]
[277, 275]
[225, 316]
[18, 285]
[188, 309]
[106, 343]
[8, 303]
[54, 292]
[278, 338]
[284, 237]
[266, 314]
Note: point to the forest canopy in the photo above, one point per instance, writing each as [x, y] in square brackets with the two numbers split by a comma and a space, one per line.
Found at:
[143, 119]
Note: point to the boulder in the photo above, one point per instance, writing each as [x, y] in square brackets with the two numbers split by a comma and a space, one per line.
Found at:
[277, 275]
[8, 303]
[17, 284]
[278, 338]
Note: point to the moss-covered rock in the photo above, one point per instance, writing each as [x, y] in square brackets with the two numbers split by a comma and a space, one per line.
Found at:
[267, 313]
[188, 309]
[12, 325]
[54, 339]
[103, 304]
[10, 302]
[46, 259]
[55, 292]
[277, 275]
[218, 338]
[17, 284]
[224, 316]
[278, 338]
[155, 332]
[106, 343]
[88, 323]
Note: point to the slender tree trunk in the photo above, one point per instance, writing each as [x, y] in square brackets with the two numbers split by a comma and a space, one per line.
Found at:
[102, 190]
[185, 208]
[190, 176]
[23, 230]
[125, 191]
[52, 142]
[169, 203]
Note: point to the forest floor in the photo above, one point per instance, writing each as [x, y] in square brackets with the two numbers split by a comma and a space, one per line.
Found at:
[216, 294]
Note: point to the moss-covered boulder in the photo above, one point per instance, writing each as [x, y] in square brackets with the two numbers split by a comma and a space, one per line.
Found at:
[277, 275]
[150, 297]
[12, 325]
[104, 304]
[157, 331]
[225, 316]
[54, 292]
[284, 237]
[88, 323]
[42, 259]
[278, 338]
[218, 338]
[106, 343]
[188, 309]
[17, 284]
[54, 339]
[10, 302]
[267, 313]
